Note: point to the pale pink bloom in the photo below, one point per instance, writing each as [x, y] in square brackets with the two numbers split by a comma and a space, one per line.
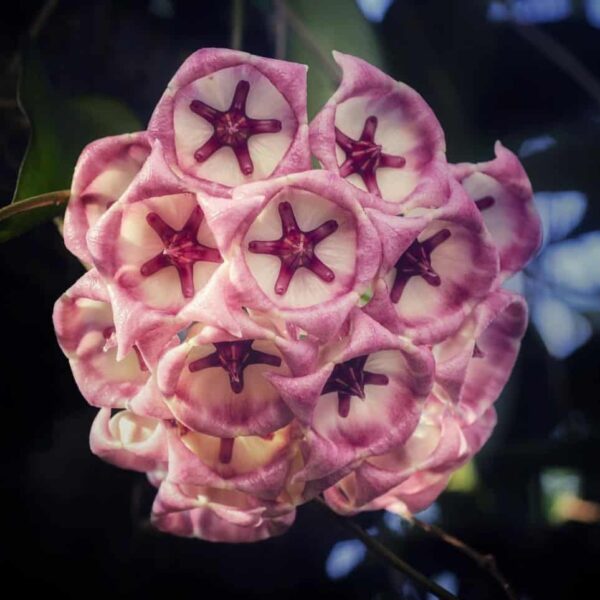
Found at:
[437, 264]
[363, 399]
[301, 248]
[129, 441]
[382, 137]
[103, 172]
[228, 118]
[218, 383]
[474, 364]
[156, 252]
[502, 192]
[84, 324]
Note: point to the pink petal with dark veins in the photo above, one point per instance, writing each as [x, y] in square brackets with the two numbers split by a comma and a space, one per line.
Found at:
[380, 135]
[104, 170]
[228, 118]
[502, 192]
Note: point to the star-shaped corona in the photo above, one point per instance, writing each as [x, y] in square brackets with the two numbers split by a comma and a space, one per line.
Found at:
[364, 156]
[232, 128]
[296, 248]
[182, 250]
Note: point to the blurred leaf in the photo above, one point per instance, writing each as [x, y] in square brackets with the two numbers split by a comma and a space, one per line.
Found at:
[59, 130]
[320, 28]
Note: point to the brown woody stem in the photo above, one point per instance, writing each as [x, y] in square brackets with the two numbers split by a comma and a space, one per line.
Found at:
[486, 561]
[381, 551]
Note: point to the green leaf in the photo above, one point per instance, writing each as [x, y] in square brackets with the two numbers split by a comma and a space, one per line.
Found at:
[59, 130]
[317, 28]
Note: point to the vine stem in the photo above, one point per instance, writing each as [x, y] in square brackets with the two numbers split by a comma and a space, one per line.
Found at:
[384, 553]
[50, 199]
[237, 24]
[485, 561]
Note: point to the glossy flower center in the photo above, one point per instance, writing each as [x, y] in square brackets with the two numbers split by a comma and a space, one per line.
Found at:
[364, 156]
[296, 248]
[232, 128]
[416, 262]
[234, 357]
[181, 250]
[349, 379]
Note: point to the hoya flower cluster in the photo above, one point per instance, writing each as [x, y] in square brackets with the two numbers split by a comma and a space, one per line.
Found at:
[255, 332]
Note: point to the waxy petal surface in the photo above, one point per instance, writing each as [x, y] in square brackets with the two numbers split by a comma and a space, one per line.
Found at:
[228, 118]
[301, 248]
[217, 383]
[434, 284]
[85, 328]
[104, 171]
[129, 441]
[380, 135]
[502, 192]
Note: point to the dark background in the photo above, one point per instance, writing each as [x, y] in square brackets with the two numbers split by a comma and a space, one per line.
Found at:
[519, 71]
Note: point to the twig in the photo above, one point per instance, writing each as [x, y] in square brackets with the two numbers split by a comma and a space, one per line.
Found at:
[485, 561]
[307, 37]
[562, 57]
[280, 27]
[237, 24]
[381, 551]
[56, 199]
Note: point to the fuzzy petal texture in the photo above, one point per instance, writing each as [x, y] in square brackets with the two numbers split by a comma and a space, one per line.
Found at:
[218, 384]
[437, 443]
[300, 248]
[502, 192]
[431, 287]
[156, 252]
[382, 136]
[104, 170]
[85, 329]
[217, 515]
[229, 118]
[474, 365]
[421, 489]
[129, 441]
[364, 400]
[253, 464]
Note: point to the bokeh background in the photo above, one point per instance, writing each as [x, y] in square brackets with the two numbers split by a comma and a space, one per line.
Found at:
[523, 71]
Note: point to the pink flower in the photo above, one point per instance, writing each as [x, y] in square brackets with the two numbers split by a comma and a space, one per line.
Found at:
[437, 264]
[256, 333]
[229, 118]
[301, 248]
[102, 174]
[381, 136]
[502, 192]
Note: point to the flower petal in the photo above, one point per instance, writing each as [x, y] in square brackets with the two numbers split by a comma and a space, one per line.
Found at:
[502, 192]
[215, 515]
[156, 252]
[256, 465]
[363, 401]
[129, 441]
[434, 284]
[104, 171]
[335, 251]
[216, 383]
[228, 118]
[84, 325]
[473, 365]
[380, 134]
